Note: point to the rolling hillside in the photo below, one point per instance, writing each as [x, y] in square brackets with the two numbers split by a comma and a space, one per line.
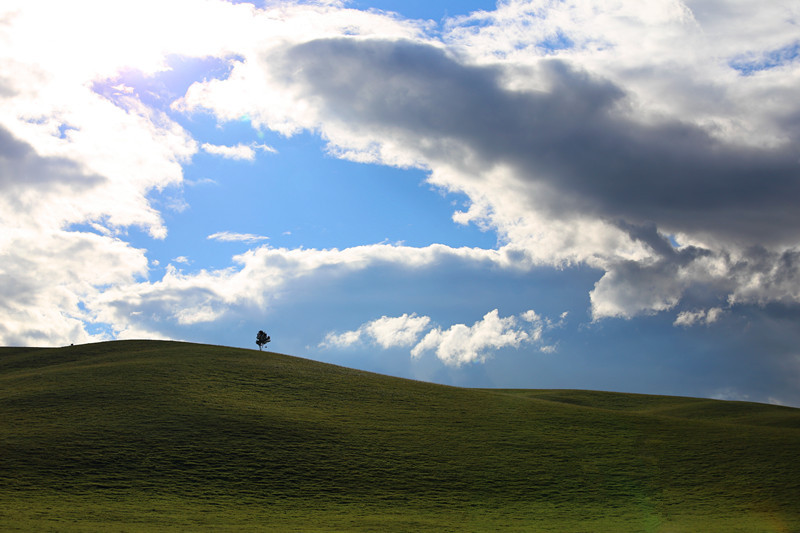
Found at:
[151, 435]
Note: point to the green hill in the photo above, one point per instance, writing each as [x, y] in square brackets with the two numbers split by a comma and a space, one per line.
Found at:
[150, 435]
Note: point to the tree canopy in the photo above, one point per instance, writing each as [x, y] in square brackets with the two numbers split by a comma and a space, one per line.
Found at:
[262, 339]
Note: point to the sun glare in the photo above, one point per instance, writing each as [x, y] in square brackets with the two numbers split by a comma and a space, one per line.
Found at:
[95, 38]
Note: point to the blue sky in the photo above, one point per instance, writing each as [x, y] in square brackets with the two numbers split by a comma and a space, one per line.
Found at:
[521, 194]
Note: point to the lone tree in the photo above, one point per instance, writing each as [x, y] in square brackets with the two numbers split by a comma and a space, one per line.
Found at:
[261, 339]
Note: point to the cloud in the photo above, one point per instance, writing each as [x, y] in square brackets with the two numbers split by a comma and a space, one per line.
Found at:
[400, 331]
[386, 332]
[702, 316]
[265, 148]
[571, 153]
[48, 273]
[460, 344]
[114, 183]
[454, 346]
[45, 286]
[40, 189]
[228, 236]
[238, 152]
[342, 340]
[21, 168]
[730, 394]
[569, 145]
[203, 181]
[78, 163]
[582, 134]
[260, 278]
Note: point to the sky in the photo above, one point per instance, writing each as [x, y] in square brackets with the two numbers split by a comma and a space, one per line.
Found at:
[522, 194]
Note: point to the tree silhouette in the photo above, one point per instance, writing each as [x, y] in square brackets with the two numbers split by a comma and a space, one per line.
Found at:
[262, 339]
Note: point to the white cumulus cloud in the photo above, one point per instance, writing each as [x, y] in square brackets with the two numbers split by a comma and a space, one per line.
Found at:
[398, 331]
[454, 346]
[702, 316]
[461, 344]
[386, 332]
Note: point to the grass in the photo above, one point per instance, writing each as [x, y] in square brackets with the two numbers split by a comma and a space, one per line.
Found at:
[167, 436]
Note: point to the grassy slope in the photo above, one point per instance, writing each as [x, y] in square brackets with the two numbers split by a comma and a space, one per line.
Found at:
[147, 435]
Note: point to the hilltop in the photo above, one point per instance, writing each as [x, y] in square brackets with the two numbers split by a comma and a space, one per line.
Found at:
[152, 435]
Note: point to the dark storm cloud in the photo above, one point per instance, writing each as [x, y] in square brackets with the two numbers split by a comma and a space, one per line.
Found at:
[753, 276]
[778, 275]
[570, 139]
